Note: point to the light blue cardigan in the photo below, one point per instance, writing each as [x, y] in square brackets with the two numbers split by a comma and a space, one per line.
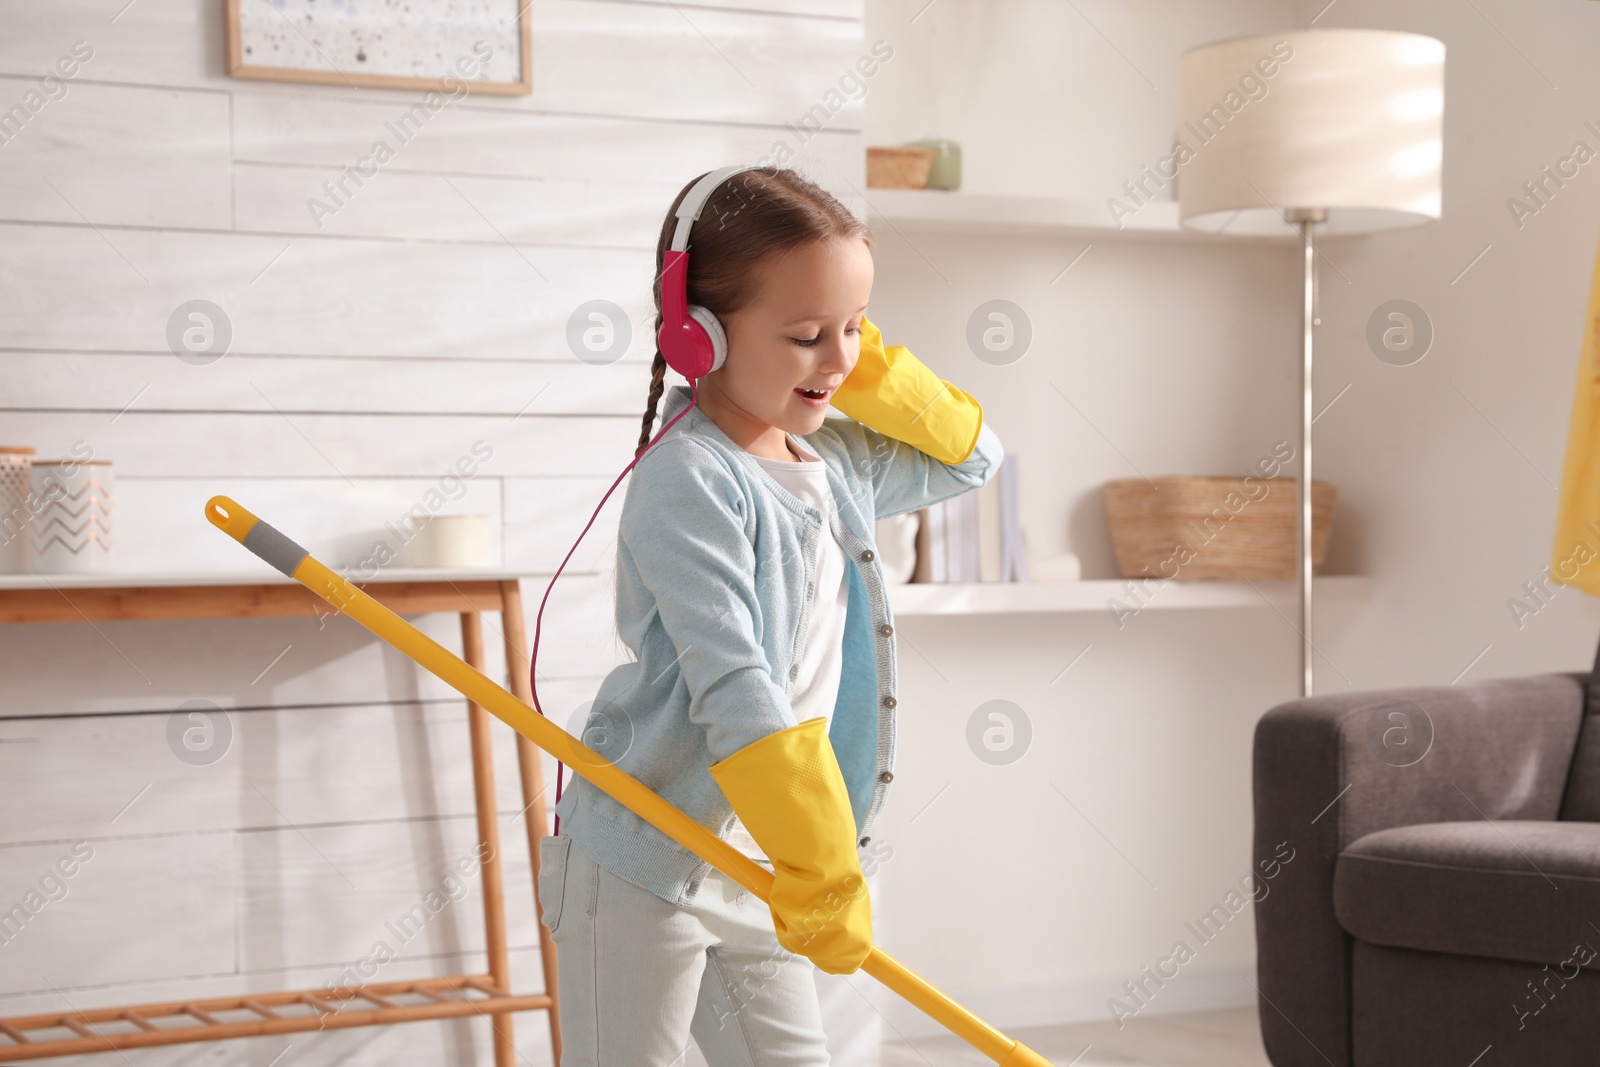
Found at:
[715, 565]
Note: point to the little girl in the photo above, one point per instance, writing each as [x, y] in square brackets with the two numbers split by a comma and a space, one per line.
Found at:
[762, 701]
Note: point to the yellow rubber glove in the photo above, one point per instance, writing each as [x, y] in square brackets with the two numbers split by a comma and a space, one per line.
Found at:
[790, 793]
[896, 394]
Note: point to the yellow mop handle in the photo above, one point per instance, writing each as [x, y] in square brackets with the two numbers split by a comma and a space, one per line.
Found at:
[294, 561]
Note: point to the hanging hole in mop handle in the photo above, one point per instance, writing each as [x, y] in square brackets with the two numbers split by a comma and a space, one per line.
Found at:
[226, 514]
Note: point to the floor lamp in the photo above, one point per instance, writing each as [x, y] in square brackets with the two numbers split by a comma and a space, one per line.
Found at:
[1337, 131]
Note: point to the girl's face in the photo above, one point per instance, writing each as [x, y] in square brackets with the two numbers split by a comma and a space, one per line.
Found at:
[801, 331]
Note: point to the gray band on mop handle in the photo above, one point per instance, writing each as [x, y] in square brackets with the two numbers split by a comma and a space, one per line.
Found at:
[267, 542]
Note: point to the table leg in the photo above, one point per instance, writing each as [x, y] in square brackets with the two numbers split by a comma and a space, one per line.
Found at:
[494, 911]
[512, 624]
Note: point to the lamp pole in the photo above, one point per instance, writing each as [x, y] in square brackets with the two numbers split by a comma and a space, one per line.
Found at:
[1307, 219]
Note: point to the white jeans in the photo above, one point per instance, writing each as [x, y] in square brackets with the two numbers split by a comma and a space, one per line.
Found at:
[639, 976]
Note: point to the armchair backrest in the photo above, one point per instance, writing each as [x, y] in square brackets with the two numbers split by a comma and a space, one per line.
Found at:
[1581, 801]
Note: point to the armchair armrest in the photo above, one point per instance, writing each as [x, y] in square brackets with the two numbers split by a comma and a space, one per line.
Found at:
[1331, 769]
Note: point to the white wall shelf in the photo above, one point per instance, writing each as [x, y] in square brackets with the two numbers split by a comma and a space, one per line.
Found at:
[982, 214]
[1006, 598]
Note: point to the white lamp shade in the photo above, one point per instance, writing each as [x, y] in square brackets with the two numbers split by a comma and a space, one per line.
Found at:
[1343, 119]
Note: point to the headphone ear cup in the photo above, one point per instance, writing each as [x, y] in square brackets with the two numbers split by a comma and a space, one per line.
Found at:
[693, 345]
[714, 331]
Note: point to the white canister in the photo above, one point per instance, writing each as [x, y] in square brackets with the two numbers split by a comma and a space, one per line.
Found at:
[71, 531]
[15, 510]
[897, 546]
[451, 541]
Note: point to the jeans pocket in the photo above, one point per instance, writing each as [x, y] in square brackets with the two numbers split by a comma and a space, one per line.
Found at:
[553, 851]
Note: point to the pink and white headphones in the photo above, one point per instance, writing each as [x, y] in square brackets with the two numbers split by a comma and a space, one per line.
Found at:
[692, 342]
[690, 339]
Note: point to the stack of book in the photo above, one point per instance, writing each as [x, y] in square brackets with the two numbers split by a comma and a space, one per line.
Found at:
[976, 536]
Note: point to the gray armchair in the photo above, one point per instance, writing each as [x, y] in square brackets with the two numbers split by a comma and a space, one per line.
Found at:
[1443, 895]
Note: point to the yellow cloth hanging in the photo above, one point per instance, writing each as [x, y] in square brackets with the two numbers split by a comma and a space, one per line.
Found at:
[1575, 556]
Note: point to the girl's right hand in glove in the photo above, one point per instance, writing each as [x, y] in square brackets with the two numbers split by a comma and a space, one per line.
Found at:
[790, 794]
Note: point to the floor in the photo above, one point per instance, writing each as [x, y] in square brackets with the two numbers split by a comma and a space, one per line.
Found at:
[1230, 1038]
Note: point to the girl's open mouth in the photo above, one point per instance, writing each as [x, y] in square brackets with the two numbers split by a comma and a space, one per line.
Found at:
[817, 398]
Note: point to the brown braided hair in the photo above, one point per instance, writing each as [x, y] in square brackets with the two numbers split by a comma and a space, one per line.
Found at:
[754, 214]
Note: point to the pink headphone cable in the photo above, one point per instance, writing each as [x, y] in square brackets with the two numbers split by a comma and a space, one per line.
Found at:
[533, 668]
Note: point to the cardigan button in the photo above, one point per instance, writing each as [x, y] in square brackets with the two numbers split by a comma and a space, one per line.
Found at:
[867, 556]
[889, 702]
[886, 776]
[864, 840]
[886, 629]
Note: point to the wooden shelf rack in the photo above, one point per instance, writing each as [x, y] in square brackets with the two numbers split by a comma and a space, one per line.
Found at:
[100, 597]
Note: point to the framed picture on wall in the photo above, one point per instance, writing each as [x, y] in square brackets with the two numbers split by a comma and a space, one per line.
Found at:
[485, 45]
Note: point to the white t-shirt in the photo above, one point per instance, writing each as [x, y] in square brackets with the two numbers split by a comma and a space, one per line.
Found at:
[817, 685]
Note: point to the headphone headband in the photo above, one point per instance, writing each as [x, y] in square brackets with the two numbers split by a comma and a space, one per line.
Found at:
[694, 202]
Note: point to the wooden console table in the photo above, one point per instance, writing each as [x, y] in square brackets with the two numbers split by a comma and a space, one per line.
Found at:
[48, 598]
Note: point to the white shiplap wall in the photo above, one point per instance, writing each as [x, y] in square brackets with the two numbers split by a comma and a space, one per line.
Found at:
[368, 355]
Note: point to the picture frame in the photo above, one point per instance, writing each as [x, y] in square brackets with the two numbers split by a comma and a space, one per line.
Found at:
[486, 45]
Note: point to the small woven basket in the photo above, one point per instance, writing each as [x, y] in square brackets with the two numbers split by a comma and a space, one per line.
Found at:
[899, 168]
[1193, 528]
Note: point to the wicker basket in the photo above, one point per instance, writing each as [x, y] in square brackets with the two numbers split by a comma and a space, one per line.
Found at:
[1195, 528]
[899, 168]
